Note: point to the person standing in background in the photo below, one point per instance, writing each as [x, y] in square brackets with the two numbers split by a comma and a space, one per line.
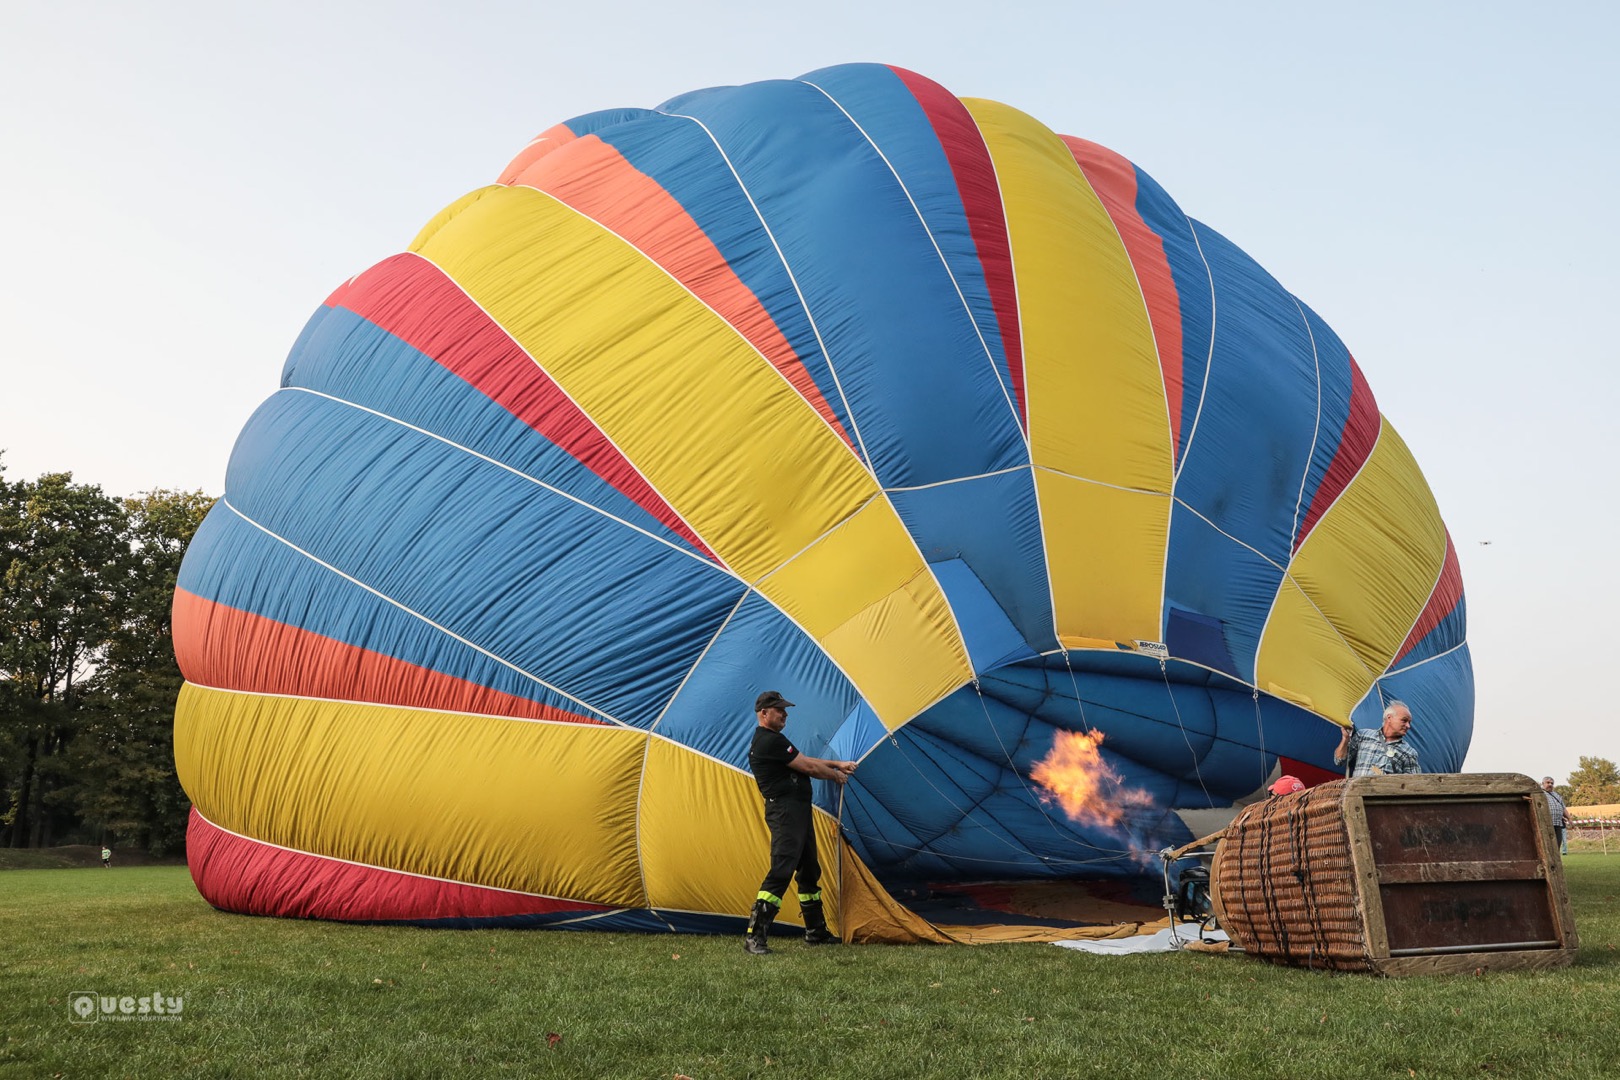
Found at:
[1559, 812]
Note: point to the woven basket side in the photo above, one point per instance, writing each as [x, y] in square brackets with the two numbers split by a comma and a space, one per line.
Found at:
[1285, 885]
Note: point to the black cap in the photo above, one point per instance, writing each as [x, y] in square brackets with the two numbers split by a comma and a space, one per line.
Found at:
[771, 699]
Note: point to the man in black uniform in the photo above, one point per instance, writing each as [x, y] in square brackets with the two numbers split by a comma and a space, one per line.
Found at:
[783, 775]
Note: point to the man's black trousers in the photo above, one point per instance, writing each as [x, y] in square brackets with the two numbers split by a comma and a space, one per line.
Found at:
[793, 847]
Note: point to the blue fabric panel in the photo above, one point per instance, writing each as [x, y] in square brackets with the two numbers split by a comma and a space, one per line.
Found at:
[1016, 742]
[300, 347]
[993, 524]
[1191, 277]
[1333, 363]
[1171, 731]
[880, 103]
[1440, 694]
[1213, 576]
[860, 731]
[934, 793]
[1199, 639]
[759, 649]
[1245, 462]
[592, 123]
[1230, 770]
[992, 640]
[927, 401]
[1155, 737]
[327, 478]
[633, 921]
[926, 796]
[1286, 730]
[989, 730]
[289, 588]
[949, 796]
[1137, 713]
[680, 156]
[1447, 634]
[879, 837]
[343, 355]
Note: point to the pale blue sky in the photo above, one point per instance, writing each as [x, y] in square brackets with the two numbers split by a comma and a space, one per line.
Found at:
[184, 182]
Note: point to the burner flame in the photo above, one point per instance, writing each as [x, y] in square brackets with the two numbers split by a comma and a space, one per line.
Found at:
[1075, 776]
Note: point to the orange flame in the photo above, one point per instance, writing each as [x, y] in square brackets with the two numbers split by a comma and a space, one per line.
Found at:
[1075, 776]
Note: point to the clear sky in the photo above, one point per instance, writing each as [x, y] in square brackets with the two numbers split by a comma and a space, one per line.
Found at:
[183, 183]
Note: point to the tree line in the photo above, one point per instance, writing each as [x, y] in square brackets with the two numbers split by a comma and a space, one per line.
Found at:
[1595, 783]
[88, 679]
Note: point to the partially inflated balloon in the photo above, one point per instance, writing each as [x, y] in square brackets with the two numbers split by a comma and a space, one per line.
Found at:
[957, 432]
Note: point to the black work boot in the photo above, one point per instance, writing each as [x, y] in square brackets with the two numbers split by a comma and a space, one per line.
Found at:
[815, 924]
[759, 927]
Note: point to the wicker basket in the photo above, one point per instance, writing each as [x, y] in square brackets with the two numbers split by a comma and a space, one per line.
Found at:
[1398, 875]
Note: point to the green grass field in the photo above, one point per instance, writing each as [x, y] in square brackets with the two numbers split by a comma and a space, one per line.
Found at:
[273, 997]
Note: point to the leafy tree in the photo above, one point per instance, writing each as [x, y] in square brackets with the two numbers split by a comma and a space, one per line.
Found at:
[88, 679]
[59, 543]
[123, 759]
[1596, 782]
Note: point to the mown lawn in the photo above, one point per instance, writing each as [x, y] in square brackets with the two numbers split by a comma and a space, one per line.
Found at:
[271, 997]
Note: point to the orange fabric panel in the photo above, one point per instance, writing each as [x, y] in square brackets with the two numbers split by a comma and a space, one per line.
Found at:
[548, 141]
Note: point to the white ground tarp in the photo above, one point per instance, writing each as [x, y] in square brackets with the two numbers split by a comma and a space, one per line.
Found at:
[1142, 943]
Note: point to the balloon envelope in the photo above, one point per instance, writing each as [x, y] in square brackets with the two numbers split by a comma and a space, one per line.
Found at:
[958, 432]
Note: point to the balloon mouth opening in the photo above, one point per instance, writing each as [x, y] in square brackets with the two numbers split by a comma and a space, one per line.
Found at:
[1067, 772]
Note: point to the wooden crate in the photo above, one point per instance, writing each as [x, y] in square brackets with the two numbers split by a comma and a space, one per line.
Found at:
[1401, 875]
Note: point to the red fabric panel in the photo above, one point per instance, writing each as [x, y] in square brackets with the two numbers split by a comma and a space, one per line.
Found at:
[1355, 445]
[1113, 178]
[547, 142]
[595, 179]
[410, 298]
[975, 177]
[230, 649]
[234, 873]
[1309, 775]
[1443, 600]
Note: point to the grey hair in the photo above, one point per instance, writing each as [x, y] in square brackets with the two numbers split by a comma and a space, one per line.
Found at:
[1397, 703]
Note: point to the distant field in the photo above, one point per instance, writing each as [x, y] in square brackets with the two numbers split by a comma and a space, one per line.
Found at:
[63, 858]
[272, 997]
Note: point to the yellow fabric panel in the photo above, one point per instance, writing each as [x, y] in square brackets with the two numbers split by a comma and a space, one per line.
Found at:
[536, 807]
[1025, 933]
[745, 460]
[1105, 558]
[864, 555]
[1093, 383]
[828, 848]
[1368, 567]
[870, 914]
[704, 845]
[1304, 660]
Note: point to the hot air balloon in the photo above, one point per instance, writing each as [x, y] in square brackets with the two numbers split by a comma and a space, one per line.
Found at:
[958, 432]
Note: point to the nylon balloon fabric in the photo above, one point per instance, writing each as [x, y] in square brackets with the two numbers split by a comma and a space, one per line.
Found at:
[956, 431]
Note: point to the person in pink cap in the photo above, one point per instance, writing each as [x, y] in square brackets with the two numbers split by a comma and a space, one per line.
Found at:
[1287, 785]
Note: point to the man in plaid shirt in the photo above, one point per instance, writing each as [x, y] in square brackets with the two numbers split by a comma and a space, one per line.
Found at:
[1380, 750]
[1559, 812]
